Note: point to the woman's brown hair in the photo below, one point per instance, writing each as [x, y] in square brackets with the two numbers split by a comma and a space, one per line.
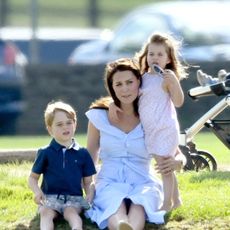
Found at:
[120, 65]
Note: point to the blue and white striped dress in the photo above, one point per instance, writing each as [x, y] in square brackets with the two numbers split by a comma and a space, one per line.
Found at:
[125, 172]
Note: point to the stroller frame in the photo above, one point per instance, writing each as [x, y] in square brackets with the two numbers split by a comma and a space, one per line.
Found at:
[200, 159]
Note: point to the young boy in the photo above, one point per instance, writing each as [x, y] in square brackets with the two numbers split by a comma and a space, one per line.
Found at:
[65, 167]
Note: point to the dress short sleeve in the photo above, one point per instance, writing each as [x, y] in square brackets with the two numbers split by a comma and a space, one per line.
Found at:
[99, 118]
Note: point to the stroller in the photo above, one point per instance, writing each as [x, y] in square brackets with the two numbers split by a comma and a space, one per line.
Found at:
[198, 159]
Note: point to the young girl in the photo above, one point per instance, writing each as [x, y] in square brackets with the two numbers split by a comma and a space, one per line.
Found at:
[159, 91]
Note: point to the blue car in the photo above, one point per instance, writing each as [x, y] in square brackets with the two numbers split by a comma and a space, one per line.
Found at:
[12, 79]
[202, 26]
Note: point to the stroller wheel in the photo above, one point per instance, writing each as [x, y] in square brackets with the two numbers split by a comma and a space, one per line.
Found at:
[200, 163]
[189, 164]
[209, 158]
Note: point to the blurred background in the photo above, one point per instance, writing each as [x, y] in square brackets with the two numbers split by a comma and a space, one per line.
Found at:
[58, 21]
[55, 49]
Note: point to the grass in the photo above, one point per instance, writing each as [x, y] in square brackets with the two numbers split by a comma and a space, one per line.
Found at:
[204, 141]
[209, 142]
[31, 142]
[204, 194]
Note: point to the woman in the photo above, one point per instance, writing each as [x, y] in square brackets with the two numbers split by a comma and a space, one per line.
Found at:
[126, 188]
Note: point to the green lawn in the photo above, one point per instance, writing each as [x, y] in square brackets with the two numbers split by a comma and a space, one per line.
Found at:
[30, 142]
[204, 140]
[209, 142]
[205, 199]
[206, 204]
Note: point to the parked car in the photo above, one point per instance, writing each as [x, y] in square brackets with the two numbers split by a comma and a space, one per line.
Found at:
[12, 78]
[53, 44]
[203, 27]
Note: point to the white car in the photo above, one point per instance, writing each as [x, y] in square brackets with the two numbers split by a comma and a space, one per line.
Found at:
[203, 27]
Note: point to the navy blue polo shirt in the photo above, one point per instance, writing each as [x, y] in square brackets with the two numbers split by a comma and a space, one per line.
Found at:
[63, 169]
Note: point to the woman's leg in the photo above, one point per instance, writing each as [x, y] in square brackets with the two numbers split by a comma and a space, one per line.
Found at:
[47, 216]
[120, 215]
[71, 214]
[134, 212]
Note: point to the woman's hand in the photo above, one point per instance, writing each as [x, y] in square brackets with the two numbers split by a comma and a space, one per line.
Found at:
[168, 165]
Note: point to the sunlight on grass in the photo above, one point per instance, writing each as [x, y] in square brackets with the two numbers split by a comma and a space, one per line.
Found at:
[203, 195]
[209, 142]
[205, 202]
[31, 142]
[16, 198]
[204, 141]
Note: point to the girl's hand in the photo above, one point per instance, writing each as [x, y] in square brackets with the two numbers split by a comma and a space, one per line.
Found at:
[172, 85]
[170, 79]
[113, 112]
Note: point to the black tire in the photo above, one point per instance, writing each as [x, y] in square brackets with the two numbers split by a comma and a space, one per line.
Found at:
[209, 158]
[200, 163]
[189, 163]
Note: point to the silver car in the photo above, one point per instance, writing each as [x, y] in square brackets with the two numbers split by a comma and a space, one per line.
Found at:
[203, 27]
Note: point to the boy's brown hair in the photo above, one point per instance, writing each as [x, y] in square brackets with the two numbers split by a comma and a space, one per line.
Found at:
[54, 106]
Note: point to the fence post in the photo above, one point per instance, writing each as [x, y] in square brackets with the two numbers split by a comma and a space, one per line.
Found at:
[34, 49]
[4, 10]
[93, 13]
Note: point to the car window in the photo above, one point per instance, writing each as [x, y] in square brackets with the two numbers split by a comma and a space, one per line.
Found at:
[139, 27]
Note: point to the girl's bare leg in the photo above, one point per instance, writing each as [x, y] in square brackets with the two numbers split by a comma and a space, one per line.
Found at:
[168, 187]
[177, 202]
